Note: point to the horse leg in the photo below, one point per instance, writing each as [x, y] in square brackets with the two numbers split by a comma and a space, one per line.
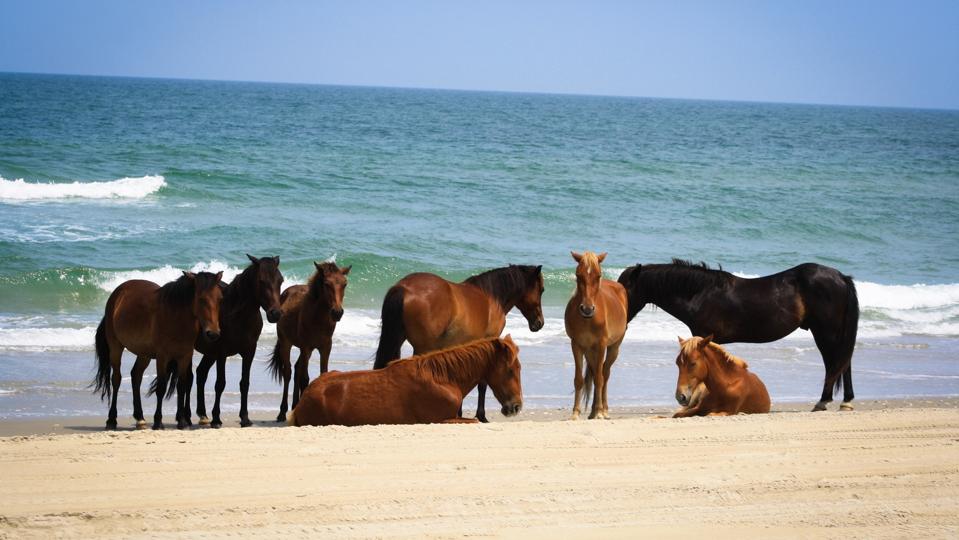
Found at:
[577, 380]
[244, 387]
[612, 352]
[136, 379]
[285, 373]
[183, 387]
[160, 392]
[219, 386]
[326, 345]
[301, 375]
[481, 403]
[847, 393]
[595, 358]
[115, 354]
[202, 370]
[826, 345]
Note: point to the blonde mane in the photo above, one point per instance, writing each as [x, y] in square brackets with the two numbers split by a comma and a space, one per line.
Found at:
[458, 362]
[591, 262]
[692, 344]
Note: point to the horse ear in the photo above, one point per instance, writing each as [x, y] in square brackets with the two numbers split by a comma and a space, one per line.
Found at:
[219, 276]
[539, 269]
[601, 257]
[346, 270]
[276, 260]
[190, 275]
[253, 259]
[706, 341]
[317, 265]
[680, 340]
[576, 256]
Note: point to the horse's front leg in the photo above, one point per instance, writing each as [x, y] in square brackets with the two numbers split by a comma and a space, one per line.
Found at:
[245, 386]
[577, 379]
[162, 366]
[218, 387]
[595, 358]
[612, 352]
[184, 384]
[301, 376]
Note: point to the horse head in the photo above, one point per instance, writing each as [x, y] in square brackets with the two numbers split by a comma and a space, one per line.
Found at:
[332, 282]
[636, 299]
[693, 362]
[589, 275]
[268, 281]
[530, 302]
[504, 377]
[207, 295]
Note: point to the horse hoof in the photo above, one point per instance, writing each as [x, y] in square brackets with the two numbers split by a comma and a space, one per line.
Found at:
[846, 406]
[158, 426]
[141, 424]
[245, 422]
[575, 416]
[482, 419]
[281, 417]
[821, 406]
[203, 421]
[111, 425]
[216, 425]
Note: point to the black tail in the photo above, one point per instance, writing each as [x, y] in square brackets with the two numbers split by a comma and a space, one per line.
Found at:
[276, 364]
[101, 381]
[172, 379]
[847, 340]
[392, 331]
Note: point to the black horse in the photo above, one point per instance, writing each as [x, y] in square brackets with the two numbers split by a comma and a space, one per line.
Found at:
[240, 326]
[733, 309]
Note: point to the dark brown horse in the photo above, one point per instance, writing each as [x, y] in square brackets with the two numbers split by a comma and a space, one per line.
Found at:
[258, 286]
[422, 389]
[733, 309]
[156, 322]
[433, 313]
[310, 314]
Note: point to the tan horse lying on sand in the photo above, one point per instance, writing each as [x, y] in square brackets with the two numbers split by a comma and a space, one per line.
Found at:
[595, 323]
[715, 383]
[422, 389]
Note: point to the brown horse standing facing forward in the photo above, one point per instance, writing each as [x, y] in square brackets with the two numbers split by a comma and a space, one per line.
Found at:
[422, 389]
[715, 383]
[596, 324]
[433, 313]
[156, 322]
[310, 314]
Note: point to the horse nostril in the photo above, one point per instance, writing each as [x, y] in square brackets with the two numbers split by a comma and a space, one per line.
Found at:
[274, 315]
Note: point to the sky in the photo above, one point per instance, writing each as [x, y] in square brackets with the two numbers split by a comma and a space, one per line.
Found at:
[851, 52]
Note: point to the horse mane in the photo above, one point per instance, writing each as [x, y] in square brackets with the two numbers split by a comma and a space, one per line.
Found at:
[180, 292]
[731, 360]
[453, 364]
[502, 283]
[592, 262]
[682, 276]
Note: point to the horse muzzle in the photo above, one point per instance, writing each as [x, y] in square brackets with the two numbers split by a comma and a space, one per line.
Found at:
[210, 335]
[336, 314]
[682, 398]
[512, 409]
[536, 325]
[587, 312]
[274, 315]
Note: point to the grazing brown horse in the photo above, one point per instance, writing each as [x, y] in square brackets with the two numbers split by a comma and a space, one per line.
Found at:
[156, 322]
[258, 286]
[713, 382]
[423, 389]
[433, 313]
[734, 309]
[596, 324]
[310, 314]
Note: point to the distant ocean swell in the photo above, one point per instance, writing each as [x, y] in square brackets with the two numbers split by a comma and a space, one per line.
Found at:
[888, 311]
[123, 188]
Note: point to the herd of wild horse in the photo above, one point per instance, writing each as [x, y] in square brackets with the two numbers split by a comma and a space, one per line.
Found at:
[454, 330]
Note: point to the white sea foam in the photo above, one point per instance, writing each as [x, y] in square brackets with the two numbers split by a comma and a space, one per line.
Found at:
[167, 273]
[47, 339]
[124, 188]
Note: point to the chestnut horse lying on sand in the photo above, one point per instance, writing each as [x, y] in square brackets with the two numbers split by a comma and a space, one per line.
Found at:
[715, 383]
[595, 324]
[422, 389]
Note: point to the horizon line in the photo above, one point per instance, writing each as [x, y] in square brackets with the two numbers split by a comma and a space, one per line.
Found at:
[453, 89]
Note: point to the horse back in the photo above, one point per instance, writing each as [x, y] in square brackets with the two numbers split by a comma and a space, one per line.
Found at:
[132, 313]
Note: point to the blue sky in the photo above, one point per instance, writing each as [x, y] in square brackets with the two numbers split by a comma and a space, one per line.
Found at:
[891, 53]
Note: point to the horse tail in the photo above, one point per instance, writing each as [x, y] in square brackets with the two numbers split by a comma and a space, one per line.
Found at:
[276, 363]
[392, 331]
[847, 335]
[172, 379]
[101, 381]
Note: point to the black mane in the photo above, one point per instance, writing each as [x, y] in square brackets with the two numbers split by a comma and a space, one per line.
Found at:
[181, 291]
[681, 276]
[240, 291]
[503, 284]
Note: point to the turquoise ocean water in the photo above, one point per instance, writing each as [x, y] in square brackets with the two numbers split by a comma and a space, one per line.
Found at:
[108, 179]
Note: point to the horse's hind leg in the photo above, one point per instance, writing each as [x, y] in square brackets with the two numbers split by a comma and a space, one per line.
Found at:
[285, 373]
[301, 377]
[218, 387]
[847, 393]
[115, 378]
[612, 352]
[826, 345]
[202, 370]
[184, 384]
[577, 379]
[136, 379]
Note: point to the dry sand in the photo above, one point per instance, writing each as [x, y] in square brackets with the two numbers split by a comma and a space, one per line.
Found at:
[870, 473]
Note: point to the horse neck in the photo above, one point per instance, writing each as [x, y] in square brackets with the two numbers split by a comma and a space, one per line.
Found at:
[672, 296]
[501, 285]
[722, 371]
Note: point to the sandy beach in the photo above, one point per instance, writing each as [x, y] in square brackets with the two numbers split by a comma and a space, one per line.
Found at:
[889, 469]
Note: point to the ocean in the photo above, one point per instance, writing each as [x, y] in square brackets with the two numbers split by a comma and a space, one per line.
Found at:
[108, 179]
